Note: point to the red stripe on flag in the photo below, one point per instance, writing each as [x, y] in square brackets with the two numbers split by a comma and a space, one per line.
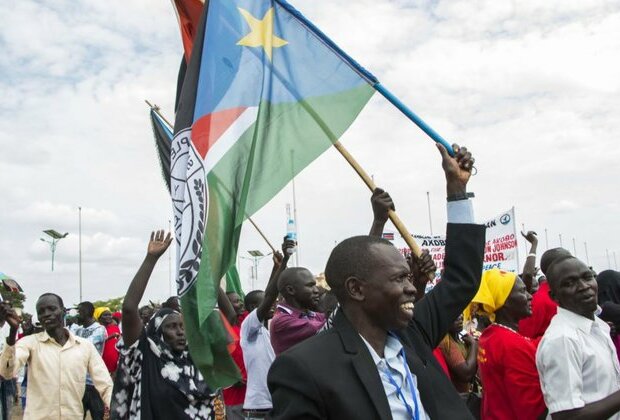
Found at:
[188, 12]
[209, 128]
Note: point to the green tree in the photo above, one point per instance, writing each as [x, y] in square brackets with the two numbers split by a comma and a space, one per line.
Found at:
[15, 298]
[114, 304]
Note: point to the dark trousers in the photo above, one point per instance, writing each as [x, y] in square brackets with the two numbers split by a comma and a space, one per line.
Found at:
[91, 401]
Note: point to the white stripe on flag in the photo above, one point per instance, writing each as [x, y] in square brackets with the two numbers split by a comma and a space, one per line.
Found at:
[229, 138]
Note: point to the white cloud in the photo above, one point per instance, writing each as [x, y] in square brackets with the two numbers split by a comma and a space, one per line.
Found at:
[531, 87]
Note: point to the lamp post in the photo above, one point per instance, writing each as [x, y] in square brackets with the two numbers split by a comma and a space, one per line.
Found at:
[55, 237]
[80, 246]
[256, 257]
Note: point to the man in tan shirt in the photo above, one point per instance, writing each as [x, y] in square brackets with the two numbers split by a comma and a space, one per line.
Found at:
[57, 363]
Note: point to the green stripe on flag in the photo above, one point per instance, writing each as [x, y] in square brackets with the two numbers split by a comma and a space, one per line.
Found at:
[285, 139]
[233, 282]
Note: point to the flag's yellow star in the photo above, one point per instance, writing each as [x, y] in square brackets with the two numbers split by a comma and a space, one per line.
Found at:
[261, 32]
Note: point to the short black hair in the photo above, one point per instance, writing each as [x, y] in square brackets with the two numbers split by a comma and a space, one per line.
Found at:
[551, 269]
[549, 256]
[252, 298]
[350, 257]
[289, 276]
[90, 308]
[62, 304]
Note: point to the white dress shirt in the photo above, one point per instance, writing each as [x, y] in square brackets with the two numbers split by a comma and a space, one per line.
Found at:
[393, 365]
[258, 355]
[577, 362]
[56, 375]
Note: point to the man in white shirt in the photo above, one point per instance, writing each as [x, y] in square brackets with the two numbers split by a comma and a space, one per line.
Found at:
[258, 353]
[58, 362]
[576, 359]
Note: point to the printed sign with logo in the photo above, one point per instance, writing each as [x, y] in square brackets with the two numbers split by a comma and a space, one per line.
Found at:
[500, 250]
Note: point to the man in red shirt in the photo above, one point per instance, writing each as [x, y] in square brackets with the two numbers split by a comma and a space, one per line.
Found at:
[235, 395]
[295, 318]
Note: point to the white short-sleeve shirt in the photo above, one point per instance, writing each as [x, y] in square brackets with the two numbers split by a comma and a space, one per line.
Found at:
[258, 355]
[577, 362]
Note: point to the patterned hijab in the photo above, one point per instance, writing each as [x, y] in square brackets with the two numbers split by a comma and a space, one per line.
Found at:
[178, 369]
[154, 382]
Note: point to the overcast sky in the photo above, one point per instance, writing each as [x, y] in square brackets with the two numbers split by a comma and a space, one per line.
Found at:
[531, 87]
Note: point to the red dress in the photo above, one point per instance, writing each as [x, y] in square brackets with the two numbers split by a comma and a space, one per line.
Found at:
[510, 383]
[543, 309]
[110, 352]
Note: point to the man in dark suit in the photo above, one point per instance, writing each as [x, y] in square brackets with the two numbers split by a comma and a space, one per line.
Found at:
[376, 361]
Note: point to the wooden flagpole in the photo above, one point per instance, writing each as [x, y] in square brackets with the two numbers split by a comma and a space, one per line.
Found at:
[400, 226]
[260, 232]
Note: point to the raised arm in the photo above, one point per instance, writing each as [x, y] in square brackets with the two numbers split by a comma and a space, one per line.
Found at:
[529, 269]
[381, 204]
[132, 324]
[271, 291]
[226, 307]
[463, 257]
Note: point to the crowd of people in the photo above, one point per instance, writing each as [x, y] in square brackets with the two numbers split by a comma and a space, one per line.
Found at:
[374, 345]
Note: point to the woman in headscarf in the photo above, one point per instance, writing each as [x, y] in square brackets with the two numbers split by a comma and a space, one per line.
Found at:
[110, 352]
[156, 377]
[506, 359]
[609, 300]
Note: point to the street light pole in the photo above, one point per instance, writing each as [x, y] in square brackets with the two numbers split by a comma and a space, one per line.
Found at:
[575, 247]
[56, 236]
[428, 203]
[80, 247]
[170, 263]
[608, 262]
[256, 257]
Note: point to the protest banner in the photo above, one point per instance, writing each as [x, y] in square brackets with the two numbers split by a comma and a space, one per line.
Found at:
[500, 249]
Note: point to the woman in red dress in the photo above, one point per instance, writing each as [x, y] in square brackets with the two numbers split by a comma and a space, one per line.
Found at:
[506, 359]
[110, 352]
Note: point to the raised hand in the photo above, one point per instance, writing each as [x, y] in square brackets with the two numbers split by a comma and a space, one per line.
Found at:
[277, 258]
[158, 244]
[530, 236]
[8, 314]
[286, 245]
[381, 205]
[457, 169]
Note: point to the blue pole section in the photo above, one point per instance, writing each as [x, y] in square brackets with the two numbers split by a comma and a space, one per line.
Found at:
[413, 117]
[365, 74]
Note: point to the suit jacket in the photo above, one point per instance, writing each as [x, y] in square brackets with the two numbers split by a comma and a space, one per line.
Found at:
[333, 376]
